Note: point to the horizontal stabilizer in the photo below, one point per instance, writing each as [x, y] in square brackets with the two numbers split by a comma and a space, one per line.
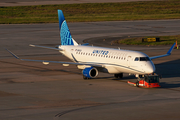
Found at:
[52, 48]
[61, 62]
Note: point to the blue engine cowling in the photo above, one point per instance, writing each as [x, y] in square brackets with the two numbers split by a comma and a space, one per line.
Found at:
[90, 72]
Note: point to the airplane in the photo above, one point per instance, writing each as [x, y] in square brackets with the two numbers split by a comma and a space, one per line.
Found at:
[92, 60]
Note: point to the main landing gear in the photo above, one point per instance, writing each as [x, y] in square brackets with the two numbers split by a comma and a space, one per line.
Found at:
[120, 75]
[85, 78]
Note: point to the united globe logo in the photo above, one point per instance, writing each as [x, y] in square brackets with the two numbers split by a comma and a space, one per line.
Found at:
[66, 38]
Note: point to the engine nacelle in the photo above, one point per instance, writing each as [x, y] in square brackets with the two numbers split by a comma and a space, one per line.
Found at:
[90, 72]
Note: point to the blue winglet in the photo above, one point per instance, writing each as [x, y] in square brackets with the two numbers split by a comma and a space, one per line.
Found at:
[65, 34]
[167, 54]
[12, 53]
[170, 50]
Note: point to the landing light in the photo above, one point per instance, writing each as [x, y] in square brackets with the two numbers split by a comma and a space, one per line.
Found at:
[65, 64]
[45, 63]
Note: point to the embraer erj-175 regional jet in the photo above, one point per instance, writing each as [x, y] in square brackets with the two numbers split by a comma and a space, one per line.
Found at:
[93, 59]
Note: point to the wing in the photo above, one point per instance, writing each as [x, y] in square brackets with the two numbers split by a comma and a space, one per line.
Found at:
[61, 62]
[167, 54]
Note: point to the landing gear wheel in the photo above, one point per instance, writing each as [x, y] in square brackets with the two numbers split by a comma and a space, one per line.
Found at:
[120, 75]
[116, 75]
[85, 78]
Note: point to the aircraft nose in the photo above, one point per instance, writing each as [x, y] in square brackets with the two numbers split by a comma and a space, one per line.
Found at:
[150, 69]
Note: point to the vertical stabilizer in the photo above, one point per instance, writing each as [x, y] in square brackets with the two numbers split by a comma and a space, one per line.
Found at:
[65, 34]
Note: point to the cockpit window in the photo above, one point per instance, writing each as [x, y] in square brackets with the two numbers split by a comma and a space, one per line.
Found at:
[142, 59]
[136, 59]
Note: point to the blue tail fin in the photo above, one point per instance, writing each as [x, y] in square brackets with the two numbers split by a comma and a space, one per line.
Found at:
[65, 34]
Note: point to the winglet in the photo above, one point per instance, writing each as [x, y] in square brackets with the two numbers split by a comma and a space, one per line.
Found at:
[170, 50]
[167, 54]
[12, 53]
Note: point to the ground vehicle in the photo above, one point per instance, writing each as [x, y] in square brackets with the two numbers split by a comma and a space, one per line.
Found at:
[148, 81]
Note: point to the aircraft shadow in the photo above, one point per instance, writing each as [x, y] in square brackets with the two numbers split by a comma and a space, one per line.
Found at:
[167, 85]
[113, 78]
[169, 69]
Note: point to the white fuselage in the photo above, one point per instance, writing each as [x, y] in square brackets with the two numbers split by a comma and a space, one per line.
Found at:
[113, 60]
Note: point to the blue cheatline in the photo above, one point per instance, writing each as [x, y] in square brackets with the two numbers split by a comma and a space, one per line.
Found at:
[65, 34]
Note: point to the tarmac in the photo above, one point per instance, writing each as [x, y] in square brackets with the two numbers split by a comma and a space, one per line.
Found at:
[53, 2]
[33, 91]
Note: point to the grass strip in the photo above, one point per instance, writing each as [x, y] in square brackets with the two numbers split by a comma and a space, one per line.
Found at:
[145, 10]
[164, 40]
